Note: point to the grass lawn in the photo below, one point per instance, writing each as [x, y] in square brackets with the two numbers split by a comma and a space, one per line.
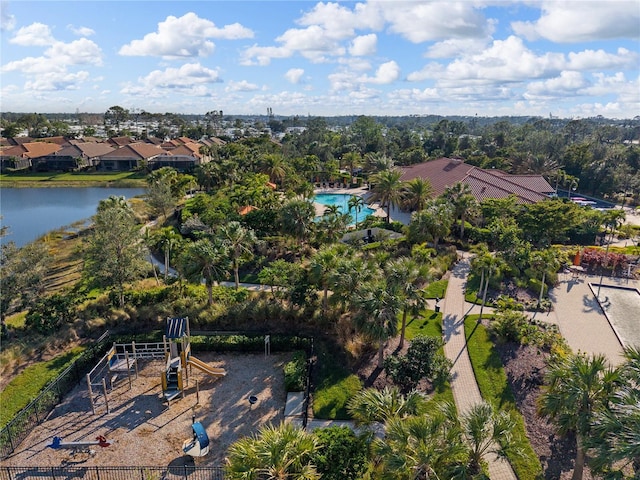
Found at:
[436, 289]
[84, 179]
[492, 381]
[27, 385]
[336, 385]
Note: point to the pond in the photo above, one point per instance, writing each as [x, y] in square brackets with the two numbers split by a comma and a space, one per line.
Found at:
[29, 213]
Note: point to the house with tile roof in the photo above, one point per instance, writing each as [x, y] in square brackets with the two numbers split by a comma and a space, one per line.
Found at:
[484, 183]
[129, 157]
[73, 157]
[22, 156]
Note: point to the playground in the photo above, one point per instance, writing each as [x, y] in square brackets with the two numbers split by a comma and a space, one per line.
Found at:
[147, 418]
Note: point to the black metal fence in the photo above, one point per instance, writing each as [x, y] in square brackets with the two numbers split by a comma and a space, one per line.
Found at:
[36, 412]
[113, 473]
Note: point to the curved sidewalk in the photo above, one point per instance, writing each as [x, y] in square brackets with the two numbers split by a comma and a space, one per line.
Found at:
[463, 384]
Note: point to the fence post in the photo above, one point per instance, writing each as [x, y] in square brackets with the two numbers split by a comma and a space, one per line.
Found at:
[97, 473]
[35, 409]
[104, 390]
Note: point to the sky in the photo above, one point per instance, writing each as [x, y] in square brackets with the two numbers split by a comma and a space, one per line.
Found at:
[568, 59]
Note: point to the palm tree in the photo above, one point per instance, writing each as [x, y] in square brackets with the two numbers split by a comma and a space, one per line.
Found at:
[484, 431]
[577, 387]
[377, 314]
[432, 223]
[372, 405]
[321, 267]
[356, 203]
[332, 210]
[387, 189]
[420, 448]
[349, 273]
[167, 239]
[206, 259]
[463, 202]
[297, 218]
[281, 452]
[615, 440]
[274, 166]
[416, 193]
[240, 241]
[404, 276]
[542, 262]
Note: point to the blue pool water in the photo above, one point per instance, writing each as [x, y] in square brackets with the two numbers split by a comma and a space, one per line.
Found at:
[342, 200]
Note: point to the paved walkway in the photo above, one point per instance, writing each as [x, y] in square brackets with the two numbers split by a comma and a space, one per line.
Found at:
[463, 384]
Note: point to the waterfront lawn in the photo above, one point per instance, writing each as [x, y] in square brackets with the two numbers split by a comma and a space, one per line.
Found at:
[71, 178]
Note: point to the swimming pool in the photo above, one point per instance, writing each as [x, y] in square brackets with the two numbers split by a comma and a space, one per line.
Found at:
[342, 200]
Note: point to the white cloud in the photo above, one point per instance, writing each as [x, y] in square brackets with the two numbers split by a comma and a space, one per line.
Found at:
[599, 59]
[241, 86]
[364, 45]
[421, 21]
[569, 21]
[36, 34]
[567, 84]
[187, 36]
[81, 31]
[7, 21]
[294, 75]
[341, 21]
[387, 73]
[57, 81]
[455, 47]
[190, 79]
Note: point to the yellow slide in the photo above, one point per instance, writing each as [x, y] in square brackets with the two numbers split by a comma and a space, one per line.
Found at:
[200, 365]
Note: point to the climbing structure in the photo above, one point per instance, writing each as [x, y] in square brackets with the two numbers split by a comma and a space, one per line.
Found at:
[178, 357]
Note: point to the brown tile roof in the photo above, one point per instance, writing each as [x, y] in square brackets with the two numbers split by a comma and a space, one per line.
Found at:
[60, 140]
[40, 149]
[192, 149]
[444, 172]
[441, 172]
[120, 141]
[13, 151]
[138, 151]
[93, 150]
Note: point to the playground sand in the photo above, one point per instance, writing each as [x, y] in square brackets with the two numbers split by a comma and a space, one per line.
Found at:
[145, 432]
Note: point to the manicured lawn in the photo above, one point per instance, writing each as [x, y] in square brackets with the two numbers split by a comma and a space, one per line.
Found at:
[436, 289]
[492, 381]
[336, 385]
[70, 178]
[26, 386]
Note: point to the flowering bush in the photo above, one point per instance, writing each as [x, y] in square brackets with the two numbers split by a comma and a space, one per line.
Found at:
[595, 260]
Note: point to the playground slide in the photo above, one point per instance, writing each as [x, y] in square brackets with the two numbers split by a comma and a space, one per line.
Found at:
[200, 365]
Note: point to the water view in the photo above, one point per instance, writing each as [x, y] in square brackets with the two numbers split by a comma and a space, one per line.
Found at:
[29, 213]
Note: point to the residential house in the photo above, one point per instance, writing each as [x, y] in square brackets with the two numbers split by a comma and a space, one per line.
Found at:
[73, 157]
[183, 158]
[484, 183]
[130, 157]
[22, 156]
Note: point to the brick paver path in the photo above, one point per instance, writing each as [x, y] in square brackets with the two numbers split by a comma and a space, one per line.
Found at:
[463, 384]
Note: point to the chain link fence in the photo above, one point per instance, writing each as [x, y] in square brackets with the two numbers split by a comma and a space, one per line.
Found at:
[113, 473]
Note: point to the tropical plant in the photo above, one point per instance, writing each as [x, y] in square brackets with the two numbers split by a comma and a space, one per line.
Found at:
[615, 439]
[387, 189]
[432, 223]
[296, 218]
[416, 193]
[204, 259]
[463, 201]
[342, 454]
[377, 309]
[239, 241]
[168, 239]
[372, 405]
[543, 261]
[404, 275]
[576, 388]
[356, 203]
[421, 448]
[282, 452]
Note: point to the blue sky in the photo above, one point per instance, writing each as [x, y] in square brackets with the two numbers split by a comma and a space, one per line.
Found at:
[564, 58]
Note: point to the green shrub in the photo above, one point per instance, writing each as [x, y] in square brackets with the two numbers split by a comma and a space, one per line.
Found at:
[331, 402]
[342, 455]
[422, 360]
[295, 372]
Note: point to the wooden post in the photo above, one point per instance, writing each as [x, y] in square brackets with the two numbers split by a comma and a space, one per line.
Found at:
[135, 357]
[104, 390]
[197, 393]
[93, 407]
[126, 357]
